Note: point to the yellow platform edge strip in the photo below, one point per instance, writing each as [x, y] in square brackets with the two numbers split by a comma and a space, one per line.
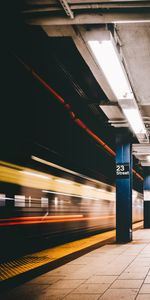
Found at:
[26, 263]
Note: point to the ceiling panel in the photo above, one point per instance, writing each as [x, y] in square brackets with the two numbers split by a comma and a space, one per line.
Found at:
[135, 39]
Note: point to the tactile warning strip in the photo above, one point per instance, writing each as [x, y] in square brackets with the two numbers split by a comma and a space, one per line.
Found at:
[26, 263]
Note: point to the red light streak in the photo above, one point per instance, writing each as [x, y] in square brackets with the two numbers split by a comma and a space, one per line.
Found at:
[45, 220]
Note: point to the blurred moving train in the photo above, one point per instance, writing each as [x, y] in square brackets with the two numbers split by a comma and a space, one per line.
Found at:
[38, 209]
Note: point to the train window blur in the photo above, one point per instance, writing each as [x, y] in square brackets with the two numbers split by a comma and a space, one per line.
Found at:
[44, 202]
[44, 209]
[2, 199]
[20, 200]
[35, 203]
[29, 201]
[56, 201]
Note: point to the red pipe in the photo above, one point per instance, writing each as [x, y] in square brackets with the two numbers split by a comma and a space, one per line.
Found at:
[137, 174]
[45, 84]
[67, 106]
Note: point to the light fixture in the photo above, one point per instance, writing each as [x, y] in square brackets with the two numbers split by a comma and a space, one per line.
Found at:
[103, 47]
[148, 157]
[104, 50]
[135, 120]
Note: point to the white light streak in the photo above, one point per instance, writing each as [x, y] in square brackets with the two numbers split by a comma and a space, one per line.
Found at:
[35, 174]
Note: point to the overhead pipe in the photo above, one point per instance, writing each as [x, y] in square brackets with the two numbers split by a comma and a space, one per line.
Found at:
[73, 116]
[90, 6]
[137, 175]
[108, 5]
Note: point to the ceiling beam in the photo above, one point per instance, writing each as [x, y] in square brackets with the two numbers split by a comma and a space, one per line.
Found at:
[91, 18]
[67, 9]
[102, 1]
[76, 35]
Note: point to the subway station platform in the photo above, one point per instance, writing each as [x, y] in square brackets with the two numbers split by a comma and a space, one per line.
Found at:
[113, 271]
[75, 150]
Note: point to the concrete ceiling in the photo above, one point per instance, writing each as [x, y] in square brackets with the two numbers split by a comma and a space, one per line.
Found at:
[131, 21]
[136, 49]
[135, 40]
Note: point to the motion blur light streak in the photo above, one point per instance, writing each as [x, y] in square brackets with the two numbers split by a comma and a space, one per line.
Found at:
[78, 196]
[63, 181]
[90, 187]
[36, 213]
[56, 185]
[48, 163]
[43, 161]
[71, 218]
[35, 174]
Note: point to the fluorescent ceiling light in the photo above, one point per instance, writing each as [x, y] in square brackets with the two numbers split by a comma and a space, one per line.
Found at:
[135, 120]
[103, 48]
[106, 55]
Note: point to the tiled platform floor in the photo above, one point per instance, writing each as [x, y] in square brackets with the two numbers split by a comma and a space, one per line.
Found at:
[112, 272]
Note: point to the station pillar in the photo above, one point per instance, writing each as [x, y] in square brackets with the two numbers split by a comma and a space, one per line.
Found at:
[146, 197]
[123, 186]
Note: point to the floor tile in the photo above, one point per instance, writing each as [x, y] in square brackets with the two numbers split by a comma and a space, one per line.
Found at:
[91, 288]
[127, 275]
[137, 269]
[147, 279]
[101, 279]
[78, 275]
[43, 280]
[53, 294]
[66, 284]
[119, 294]
[143, 297]
[129, 284]
[145, 289]
[82, 297]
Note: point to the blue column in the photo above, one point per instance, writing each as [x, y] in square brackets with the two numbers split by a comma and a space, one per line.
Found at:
[147, 198]
[123, 189]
